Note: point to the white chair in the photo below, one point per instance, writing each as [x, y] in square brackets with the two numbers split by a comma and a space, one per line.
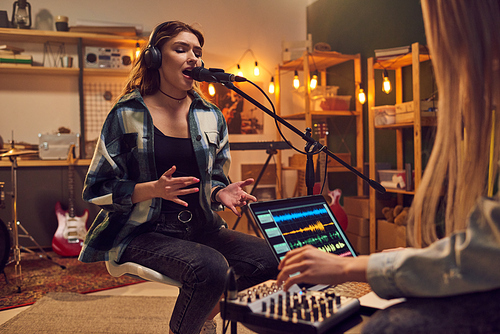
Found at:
[133, 269]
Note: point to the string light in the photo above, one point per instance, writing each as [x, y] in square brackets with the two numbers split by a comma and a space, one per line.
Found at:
[386, 84]
[314, 81]
[271, 86]
[137, 50]
[256, 70]
[211, 89]
[240, 72]
[361, 94]
[296, 82]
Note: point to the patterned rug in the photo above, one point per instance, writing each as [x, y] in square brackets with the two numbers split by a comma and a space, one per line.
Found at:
[41, 276]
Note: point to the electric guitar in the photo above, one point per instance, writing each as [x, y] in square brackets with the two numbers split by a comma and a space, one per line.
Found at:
[71, 229]
[332, 196]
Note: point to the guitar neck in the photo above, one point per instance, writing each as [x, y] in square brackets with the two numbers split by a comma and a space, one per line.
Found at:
[71, 190]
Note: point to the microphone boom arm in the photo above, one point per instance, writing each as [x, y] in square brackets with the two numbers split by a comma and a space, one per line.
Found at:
[374, 184]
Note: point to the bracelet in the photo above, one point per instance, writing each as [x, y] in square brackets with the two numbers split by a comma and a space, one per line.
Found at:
[213, 197]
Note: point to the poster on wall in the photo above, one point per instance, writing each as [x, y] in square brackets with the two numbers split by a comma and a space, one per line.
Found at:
[242, 117]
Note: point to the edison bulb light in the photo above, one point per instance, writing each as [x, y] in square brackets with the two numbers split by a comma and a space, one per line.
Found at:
[256, 70]
[211, 89]
[296, 82]
[361, 96]
[271, 86]
[386, 84]
[314, 82]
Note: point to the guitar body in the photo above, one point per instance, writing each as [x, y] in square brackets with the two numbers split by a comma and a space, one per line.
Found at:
[68, 239]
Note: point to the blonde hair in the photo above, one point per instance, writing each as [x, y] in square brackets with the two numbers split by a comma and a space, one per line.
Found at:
[464, 42]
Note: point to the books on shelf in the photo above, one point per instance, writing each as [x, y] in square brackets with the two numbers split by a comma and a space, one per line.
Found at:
[10, 49]
[11, 55]
[392, 52]
[15, 59]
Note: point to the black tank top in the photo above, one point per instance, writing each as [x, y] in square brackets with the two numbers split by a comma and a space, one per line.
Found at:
[170, 151]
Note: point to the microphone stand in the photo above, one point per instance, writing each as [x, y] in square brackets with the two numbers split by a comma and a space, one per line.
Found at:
[311, 145]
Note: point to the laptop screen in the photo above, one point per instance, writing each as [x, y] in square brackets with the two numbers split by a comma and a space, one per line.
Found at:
[295, 222]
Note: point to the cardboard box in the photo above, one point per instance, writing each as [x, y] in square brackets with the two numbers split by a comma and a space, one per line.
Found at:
[390, 235]
[361, 244]
[358, 225]
[408, 107]
[359, 206]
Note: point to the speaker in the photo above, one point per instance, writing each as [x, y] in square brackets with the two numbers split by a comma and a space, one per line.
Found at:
[152, 56]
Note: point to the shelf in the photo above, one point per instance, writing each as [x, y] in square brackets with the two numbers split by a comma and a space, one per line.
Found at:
[402, 61]
[418, 55]
[323, 63]
[5, 162]
[400, 191]
[424, 121]
[34, 36]
[322, 113]
[318, 61]
[37, 70]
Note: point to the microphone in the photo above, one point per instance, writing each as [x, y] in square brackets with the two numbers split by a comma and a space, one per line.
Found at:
[212, 75]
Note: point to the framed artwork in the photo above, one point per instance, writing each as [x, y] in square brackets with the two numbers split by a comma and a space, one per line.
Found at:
[242, 117]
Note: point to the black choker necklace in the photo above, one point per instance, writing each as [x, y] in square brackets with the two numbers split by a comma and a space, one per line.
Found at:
[174, 98]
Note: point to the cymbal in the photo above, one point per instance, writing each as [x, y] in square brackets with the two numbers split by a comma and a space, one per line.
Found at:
[16, 152]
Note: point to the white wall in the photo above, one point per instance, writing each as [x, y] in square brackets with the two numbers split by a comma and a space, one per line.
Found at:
[230, 28]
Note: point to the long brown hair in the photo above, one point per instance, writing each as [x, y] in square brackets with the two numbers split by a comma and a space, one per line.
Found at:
[464, 42]
[148, 80]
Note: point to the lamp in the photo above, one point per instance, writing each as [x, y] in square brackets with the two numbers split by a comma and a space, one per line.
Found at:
[386, 84]
[361, 94]
[211, 89]
[137, 50]
[296, 82]
[314, 81]
[271, 86]
[256, 70]
[21, 14]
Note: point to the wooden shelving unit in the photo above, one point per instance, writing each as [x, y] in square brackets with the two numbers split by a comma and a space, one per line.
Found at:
[414, 59]
[320, 61]
[79, 71]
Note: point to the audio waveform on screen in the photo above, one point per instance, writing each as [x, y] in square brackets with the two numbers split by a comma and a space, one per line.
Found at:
[317, 240]
[299, 215]
[318, 226]
[332, 247]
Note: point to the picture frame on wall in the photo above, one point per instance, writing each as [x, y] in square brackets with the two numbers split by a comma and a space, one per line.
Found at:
[242, 117]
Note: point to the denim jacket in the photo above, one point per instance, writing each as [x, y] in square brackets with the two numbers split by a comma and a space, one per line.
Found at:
[124, 156]
[465, 262]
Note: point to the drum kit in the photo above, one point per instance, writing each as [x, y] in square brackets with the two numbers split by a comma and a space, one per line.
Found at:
[9, 234]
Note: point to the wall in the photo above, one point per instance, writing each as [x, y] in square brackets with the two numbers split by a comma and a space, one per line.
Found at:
[41, 104]
[33, 105]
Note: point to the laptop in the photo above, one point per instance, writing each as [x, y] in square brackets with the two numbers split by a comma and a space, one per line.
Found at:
[291, 223]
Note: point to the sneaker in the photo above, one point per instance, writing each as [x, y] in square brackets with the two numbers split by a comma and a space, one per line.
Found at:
[210, 327]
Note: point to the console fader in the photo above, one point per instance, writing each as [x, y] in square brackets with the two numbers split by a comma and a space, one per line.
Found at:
[269, 308]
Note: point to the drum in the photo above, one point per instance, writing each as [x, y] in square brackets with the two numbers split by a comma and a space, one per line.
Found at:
[4, 245]
[2, 195]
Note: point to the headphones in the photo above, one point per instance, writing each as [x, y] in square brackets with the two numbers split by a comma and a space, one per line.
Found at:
[152, 56]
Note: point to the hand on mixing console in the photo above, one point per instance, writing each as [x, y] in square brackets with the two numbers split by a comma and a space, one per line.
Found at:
[318, 267]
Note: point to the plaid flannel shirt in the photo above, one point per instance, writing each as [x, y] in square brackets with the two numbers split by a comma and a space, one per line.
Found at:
[124, 156]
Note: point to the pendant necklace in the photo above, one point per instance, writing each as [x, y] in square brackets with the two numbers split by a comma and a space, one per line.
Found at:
[173, 98]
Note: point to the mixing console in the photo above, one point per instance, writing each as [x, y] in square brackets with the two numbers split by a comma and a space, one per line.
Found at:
[266, 308]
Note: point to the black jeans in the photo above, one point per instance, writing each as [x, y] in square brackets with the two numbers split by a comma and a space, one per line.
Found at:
[199, 259]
